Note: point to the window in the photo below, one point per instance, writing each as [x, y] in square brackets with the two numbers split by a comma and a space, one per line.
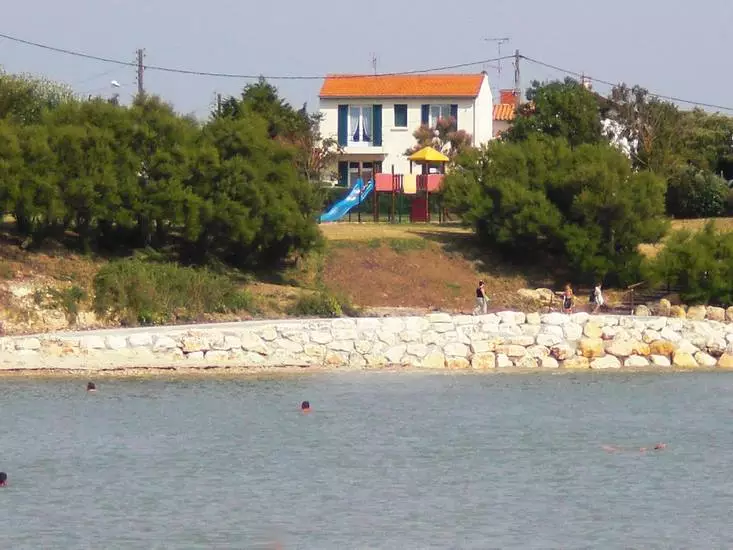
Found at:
[365, 169]
[438, 112]
[400, 116]
[360, 124]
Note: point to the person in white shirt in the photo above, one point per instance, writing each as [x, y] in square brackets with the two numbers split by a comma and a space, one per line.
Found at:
[597, 298]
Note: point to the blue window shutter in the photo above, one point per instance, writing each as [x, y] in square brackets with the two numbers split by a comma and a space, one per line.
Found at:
[343, 173]
[454, 114]
[377, 121]
[343, 125]
[425, 115]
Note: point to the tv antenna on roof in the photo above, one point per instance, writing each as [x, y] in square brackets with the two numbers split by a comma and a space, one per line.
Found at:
[499, 43]
[374, 62]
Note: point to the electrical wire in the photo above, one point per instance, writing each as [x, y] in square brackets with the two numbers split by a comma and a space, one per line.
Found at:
[242, 76]
[321, 77]
[95, 77]
[607, 83]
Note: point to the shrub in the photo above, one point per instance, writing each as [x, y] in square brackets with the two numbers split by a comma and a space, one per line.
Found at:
[67, 300]
[6, 271]
[152, 293]
[693, 193]
[582, 207]
[322, 304]
[700, 264]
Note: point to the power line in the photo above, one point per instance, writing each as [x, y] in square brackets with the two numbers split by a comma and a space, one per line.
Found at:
[62, 50]
[235, 75]
[612, 84]
[321, 77]
[95, 77]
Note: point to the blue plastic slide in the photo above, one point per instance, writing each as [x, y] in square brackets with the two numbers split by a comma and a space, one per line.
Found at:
[356, 196]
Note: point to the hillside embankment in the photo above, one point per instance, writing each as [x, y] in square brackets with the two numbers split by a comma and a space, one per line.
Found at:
[375, 269]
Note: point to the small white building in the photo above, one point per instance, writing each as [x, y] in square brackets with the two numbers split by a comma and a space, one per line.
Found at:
[373, 117]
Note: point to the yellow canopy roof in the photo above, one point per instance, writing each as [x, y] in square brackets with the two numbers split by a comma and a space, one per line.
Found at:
[428, 154]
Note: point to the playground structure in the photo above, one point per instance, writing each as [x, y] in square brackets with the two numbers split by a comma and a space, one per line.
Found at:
[416, 186]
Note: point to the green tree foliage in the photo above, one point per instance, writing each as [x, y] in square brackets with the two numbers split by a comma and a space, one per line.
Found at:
[708, 141]
[559, 109]
[263, 99]
[694, 193]
[582, 206]
[445, 137]
[24, 98]
[298, 129]
[652, 123]
[700, 264]
[108, 177]
[670, 139]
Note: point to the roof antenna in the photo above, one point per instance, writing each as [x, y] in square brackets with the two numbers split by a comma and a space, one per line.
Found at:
[499, 43]
[374, 63]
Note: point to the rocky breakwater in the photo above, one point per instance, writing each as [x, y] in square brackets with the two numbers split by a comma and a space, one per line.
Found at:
[507, 340]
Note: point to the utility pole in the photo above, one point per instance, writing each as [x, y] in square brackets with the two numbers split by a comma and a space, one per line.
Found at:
[218, 104]
[140, 72]
[517, 81]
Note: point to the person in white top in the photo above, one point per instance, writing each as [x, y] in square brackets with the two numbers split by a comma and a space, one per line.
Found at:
[597, 298]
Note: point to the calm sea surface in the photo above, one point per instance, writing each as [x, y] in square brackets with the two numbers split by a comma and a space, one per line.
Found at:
[385, 460]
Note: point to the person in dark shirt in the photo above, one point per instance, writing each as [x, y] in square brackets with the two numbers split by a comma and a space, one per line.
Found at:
[567, 299]
[3, 479]
[482, 301]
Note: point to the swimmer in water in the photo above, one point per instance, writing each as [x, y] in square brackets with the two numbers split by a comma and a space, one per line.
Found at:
[614, 449]
[305, 406]
[91, 387]
[3, 479]
[657, 447]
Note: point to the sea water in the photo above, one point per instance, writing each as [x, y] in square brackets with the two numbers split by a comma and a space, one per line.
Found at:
[384, 460]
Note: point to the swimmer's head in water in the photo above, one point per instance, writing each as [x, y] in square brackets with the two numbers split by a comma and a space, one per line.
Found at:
[305, 405]
[3, 478]
[91, 386]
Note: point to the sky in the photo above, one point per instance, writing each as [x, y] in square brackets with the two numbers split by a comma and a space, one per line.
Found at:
[675, 48]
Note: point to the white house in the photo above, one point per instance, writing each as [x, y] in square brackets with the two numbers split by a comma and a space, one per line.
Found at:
[373, 117]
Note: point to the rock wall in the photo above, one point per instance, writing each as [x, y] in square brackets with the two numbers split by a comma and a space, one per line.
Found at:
[436, 341]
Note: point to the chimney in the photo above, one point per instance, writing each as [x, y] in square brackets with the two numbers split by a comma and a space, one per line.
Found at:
[507, 97]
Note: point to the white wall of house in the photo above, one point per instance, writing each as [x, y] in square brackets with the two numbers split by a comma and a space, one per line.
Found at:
[484, 109]
[475, 116]
[501, 126]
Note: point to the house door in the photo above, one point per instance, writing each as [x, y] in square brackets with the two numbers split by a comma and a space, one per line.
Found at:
[366, 168]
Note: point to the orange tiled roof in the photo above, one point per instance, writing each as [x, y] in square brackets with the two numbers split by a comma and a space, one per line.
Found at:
[434, 85]
[504, 112]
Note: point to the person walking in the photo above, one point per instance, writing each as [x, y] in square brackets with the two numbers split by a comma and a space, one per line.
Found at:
[568, 299]
[597, 297]
[482, 302]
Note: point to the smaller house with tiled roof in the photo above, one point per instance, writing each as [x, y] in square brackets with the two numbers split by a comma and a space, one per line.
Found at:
[505, 111]
[373, 117]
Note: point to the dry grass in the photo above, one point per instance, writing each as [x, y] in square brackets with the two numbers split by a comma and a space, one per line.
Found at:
[370, 230]
[724, 225]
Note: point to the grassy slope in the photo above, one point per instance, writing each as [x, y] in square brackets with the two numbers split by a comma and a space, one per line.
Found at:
[418, 266]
